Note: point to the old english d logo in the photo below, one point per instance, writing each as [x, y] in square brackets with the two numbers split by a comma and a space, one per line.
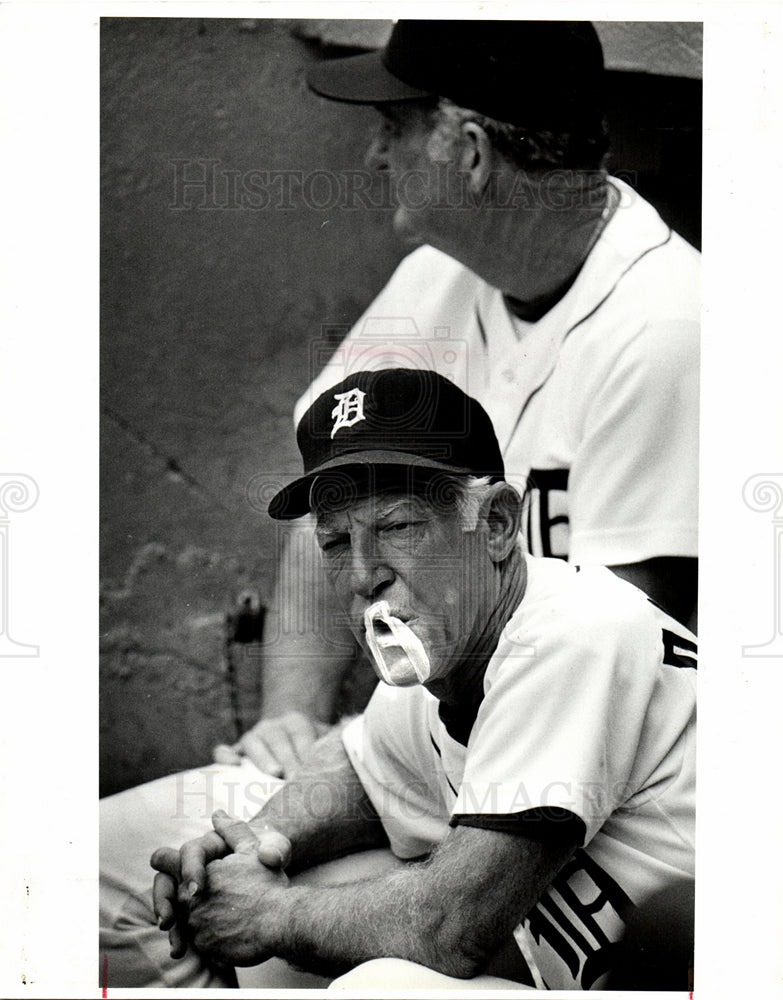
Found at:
[349, 409]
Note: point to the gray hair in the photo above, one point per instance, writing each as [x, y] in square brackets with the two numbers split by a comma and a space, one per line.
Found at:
[466, 494]
[534, 151]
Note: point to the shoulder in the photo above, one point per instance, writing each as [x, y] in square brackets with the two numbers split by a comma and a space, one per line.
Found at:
[665, 284]
[657, 270]
[645, 327]
[588, 594]
[578, 617]
[658, 351]
[639, 298]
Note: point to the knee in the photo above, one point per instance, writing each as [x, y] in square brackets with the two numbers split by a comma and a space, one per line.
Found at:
[389, 973]
[399, 974]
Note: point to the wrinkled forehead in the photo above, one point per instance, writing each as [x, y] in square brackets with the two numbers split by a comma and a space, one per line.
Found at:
[408, 108]
[409, 113]
[369, 506]
[377, 491]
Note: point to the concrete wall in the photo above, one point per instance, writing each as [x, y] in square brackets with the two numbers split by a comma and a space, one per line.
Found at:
[213, 319]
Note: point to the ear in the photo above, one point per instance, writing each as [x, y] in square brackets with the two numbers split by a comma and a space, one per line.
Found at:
[503, 516]
[477, 156]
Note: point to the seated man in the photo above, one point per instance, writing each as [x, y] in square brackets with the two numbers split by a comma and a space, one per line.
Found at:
[546, 289]
[528, 758]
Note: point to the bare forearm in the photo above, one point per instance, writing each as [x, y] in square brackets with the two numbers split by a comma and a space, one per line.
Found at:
[325, 812]
[332, 929]
[449, 917]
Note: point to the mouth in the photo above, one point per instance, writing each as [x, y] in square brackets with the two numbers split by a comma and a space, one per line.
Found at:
[404, 616]
[396, 651]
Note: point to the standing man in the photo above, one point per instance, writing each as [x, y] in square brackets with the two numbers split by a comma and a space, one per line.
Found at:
[529, 757]
[546, 289]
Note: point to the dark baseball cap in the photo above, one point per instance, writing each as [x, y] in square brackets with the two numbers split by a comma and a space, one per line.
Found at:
[533, 74]
[396, 418]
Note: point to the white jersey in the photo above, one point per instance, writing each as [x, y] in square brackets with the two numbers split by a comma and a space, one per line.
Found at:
[588, 712]
[595, 405]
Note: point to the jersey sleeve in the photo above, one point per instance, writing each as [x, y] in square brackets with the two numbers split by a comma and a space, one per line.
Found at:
[633, 483]
[389, 748]
[557, 736]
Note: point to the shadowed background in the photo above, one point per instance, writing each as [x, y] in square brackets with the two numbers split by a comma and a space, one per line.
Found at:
[215, 313]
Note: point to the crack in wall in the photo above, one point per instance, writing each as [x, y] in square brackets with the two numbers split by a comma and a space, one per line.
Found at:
[143, 556]
[154, 657]
[173, 466]
[191, 558]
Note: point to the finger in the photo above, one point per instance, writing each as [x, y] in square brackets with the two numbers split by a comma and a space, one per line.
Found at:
[224, 754]
[280, 742]
[239, 835]
[264, 757]
[166, 859]
[194, 858]
[274, 848]
[302, 733]
[178, 941]
[164, 900]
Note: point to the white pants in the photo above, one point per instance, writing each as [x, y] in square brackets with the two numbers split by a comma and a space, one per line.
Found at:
[398, 974]
[134, 952]
[166, 813]
[162, 813]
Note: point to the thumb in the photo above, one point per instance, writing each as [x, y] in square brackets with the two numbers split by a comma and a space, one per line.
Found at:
[224, 754]
[239, 835]
[274, 848]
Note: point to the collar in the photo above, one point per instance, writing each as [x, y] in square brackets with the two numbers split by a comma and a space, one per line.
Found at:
[633, 230]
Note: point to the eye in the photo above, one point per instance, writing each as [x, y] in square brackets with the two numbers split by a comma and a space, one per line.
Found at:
[391, 125]
[334, 544]
[400, 527]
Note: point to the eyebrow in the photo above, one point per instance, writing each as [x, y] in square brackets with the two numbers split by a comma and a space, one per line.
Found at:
[322, 528]
[393, 506]
[381, 512]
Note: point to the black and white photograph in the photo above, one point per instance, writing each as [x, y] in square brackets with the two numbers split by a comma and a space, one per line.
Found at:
[416, 243]
[409, 458]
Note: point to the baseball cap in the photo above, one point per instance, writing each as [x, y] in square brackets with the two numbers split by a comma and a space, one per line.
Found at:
[533, 74]
[394, 418]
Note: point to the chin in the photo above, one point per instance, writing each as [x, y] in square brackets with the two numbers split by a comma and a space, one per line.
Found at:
[405, 228]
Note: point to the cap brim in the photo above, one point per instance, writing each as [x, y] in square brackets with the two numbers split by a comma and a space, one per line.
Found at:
[294, 500]
[361, 79]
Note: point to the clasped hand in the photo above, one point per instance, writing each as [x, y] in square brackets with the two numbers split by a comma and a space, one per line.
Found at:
[217, 891]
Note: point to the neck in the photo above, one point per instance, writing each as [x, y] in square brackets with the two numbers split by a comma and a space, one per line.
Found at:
[533, 237]
[464, 685]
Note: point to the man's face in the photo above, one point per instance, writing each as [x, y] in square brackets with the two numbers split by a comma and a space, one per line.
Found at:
[409, 146]
[396, 547]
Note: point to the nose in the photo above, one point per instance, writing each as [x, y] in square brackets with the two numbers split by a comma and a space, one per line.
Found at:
[369, 573]
[376, 157]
